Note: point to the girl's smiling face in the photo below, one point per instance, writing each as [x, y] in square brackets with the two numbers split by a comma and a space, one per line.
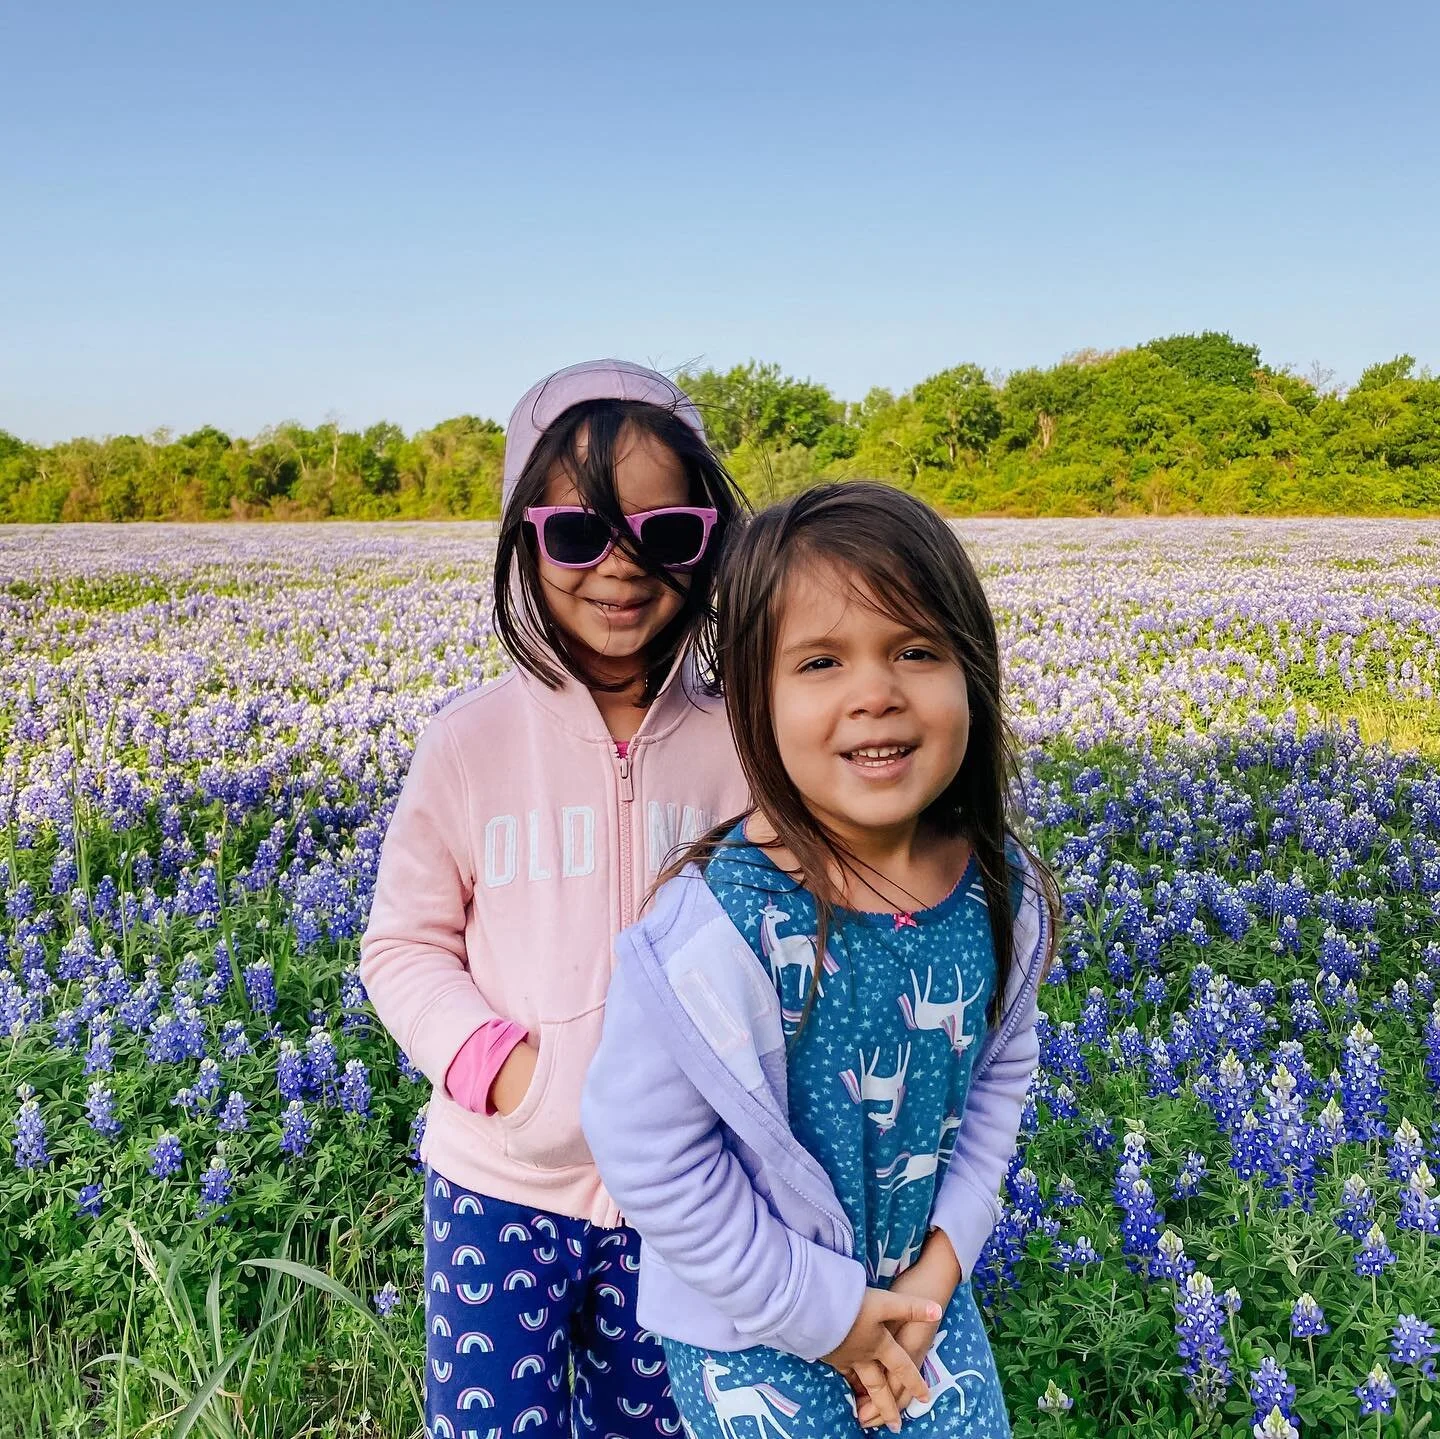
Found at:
[871, 716]
[613, 612]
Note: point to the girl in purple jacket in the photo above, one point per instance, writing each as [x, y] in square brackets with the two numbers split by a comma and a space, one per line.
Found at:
[818, 1041]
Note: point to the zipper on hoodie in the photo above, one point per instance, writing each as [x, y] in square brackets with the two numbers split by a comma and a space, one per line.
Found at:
[627, 796]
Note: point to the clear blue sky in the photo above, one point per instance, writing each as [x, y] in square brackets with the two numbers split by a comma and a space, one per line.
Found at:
[238, 213]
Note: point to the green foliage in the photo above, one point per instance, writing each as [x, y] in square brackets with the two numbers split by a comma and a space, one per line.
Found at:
[1189, 424]
[1212, 358]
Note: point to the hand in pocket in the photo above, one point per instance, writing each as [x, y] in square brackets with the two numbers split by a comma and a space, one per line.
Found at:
[514, 1078]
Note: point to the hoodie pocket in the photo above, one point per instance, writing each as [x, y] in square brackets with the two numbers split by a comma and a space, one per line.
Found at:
[543, 1130]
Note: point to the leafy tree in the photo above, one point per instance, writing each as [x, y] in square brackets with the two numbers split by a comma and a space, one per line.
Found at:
[1387, 372]
[961, 408]
[1213, 358]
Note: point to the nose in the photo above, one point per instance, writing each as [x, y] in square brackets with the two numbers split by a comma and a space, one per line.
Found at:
[874, 691]
[618, 565]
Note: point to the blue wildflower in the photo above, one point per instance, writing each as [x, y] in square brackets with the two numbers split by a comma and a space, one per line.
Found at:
[296, 1129]
[1412, 1341]
[355, 1089]
[100, 1110]
[166, 1156]
[387, 1300]
[29, 1142]
[233, 1117]
[1376, 1394]
[90, 1201]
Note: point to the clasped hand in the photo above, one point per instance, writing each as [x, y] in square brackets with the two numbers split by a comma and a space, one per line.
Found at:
[881, 1355]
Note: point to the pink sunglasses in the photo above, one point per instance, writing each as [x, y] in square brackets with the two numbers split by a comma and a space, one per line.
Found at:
[574, 538]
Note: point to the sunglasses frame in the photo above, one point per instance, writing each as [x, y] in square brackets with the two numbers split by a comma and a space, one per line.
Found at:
[537, 515]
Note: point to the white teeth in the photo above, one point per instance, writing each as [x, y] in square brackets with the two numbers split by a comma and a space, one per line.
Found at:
[878, 754]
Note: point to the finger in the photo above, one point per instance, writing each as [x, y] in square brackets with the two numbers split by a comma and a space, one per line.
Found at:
[900, 1365]
[876, 1383]
[896, 1309]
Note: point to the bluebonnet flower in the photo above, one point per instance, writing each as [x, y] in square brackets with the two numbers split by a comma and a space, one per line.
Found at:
[100, 1056]
[408, 1072]
[296, 1129]
[292, 1073]
[1054, 1401]
[233, 1118]
[1362, 1088]
[417, 1135]
[1270, 1388]
[1077, 1255]
[1187, 1182]
[1431, 1035]
[208, 1082]
[100, 1110]
[322, 1064]
[1140, 1228]
[1330, 1126]
[1200, 1327]
[1162, 1077]
[1094, 1027]
[233, 1041]
[1407, 1149]
[352, 1001]
[1376, 1394]
[355, 1089]
[1275, 1425]
[90, 1201]
[29, 1142]
[1063, 1104]
[1374, 1256]
[1066, 1195]
[1412, 1341]
[1171, 1261]
[1307, 1318]
[1357, 1206]
[1419, 1208]
[166, 1156]
[260, 986]
[216, 1186]
[387, 1300]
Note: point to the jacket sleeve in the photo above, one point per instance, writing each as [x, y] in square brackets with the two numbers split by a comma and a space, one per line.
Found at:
[661, 1152]
[967, 1206]
[412, 957]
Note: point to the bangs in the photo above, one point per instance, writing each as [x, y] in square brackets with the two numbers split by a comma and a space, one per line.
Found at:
[883, 583]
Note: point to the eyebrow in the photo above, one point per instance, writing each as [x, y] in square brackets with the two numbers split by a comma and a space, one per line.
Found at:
[829, 642]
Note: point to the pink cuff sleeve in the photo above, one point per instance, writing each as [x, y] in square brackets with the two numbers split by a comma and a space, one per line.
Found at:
[474, 1068]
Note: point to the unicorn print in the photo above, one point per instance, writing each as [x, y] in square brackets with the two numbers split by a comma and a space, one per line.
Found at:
[759, 1402]
[907, 1169]
[949, 1130]
[923, 1013]
[793, 951]
[887, 1266]
[873, 1087]
[941, 1381]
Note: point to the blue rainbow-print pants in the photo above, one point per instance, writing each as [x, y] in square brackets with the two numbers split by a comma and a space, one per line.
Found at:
[530, 1325]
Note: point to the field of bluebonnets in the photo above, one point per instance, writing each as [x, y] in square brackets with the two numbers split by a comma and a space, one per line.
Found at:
[1218, 1216]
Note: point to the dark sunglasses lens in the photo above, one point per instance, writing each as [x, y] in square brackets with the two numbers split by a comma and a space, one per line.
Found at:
[576, 539]
[673, 539]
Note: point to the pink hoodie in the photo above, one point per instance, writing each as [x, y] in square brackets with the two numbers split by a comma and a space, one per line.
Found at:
[520, 846]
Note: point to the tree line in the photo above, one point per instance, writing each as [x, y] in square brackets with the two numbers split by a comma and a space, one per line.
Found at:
[1190, 424]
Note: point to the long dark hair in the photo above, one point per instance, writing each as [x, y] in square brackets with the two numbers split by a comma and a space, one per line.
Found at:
[522, 618]
[912, 565]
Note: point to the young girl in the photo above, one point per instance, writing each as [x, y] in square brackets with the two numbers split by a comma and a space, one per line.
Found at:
[536, 814]
[819, 1039]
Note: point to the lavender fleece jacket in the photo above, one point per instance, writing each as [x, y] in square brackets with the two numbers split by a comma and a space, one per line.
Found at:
[685, 1111]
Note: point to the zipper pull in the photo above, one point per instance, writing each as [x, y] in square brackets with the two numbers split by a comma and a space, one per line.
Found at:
[627, 789]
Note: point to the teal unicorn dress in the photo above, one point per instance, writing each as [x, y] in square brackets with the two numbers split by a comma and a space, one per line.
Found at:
[878, 1078]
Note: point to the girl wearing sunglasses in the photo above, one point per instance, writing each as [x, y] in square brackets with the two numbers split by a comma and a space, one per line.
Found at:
[537, 812]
